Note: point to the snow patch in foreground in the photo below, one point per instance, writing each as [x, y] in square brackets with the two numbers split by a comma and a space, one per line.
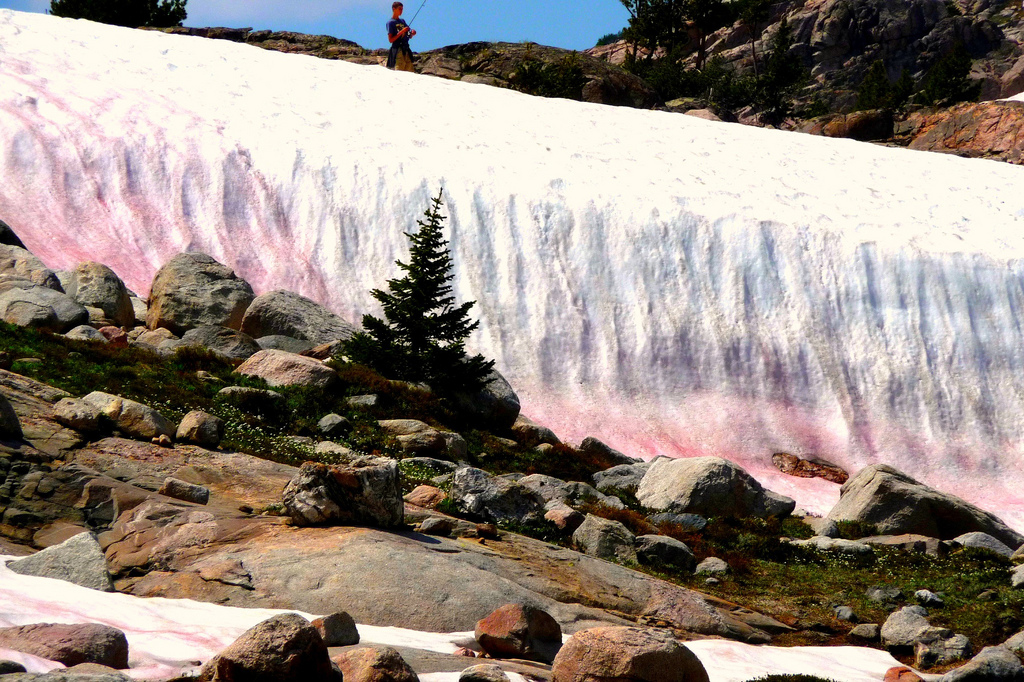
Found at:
[168, 636]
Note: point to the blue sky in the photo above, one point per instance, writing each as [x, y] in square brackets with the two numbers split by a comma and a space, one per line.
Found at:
[571, 24]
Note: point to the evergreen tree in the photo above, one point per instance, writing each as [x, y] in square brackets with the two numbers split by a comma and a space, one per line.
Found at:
[877, 92]
[782, 76]
[948, 81]
[424, 334]
[132, 13]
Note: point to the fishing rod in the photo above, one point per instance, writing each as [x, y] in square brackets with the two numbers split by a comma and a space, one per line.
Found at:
[417, 13]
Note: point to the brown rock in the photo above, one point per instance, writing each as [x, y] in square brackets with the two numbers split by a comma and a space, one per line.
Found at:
[426, 496]
[565, 518]
[337, 629]
[69, 644]
[626, 653]
[989, 130]
[281, 368]
[860, 125]
[115, 336]
[201, 428]
[285, 648]
[324, 351]
[364, 492]
[375, 664]
[812, 467]
[518, 631]
[901, 674]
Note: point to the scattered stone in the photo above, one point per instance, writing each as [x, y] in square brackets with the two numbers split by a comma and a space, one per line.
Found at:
[979, 540]
[901, 674]
[712, 582]
[155, 339]
[193, 290]
[939, 646]
[597, 451]
[487, 672]
[115, 336]
[495, 406]
[809, 467]
[463, 651]
[285, 343]
[337, 629]
[988, 595]
[1017, 577]
[84, 332]
[334, 426]
[605, 539]
[188, 492]
[993, 664]
[494, 498]
[78, 560]
[279, 368]
[571, 494]
[666, 551]
[374, 664]
[69, 644]
[17, 262]
[844, 613]
[441, 526]
[837, 545]
[325, 351]
[163, 440]
[285, 648]
[622, 478]
[426, 496]
[902, 628]
[10, 426]
[626, 653]
[487, 531]
[133, 419]
[708, 485]
[39, 307]
[200, 428]
[362, 401]
[285, 313]
[929, 599]
[884, 594]
[692, 522]
[519, 631]
[366, 492]
[96, 286]
[868, 631]
[530, 434]
[222, 341]
[455, 446]
[712, 565]
[564, 518]
[910, 543]
[414, 436]
[140, 309]
[896, 503]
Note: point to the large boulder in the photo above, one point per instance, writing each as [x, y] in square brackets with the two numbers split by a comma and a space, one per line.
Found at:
[69, 644]
[96, 286]
[993, 664]
[626, 653]
[129, 417]
[495, 406]
[374, 664]
[40, 307]
[223, 341]
[365, 492]
[572, 493]
[979, 540]
[284, 313]
[902, 628]
[897, 504]
[78, 560]
[10, 427]
[16, 262]
[605, 539]
[710, 486]
[530, 434]
[518, 631]
[494, 498]
[598, 452]
[192, 290]
[661, 550]
[284, 648]
[201, 428]
[414, 437]
[281, 368]
[622, 478]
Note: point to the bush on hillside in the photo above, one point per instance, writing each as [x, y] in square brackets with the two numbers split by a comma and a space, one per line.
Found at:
[948, 81]
[878, 92]
[423, 336]
[609, 38]
[131, 13]
[564, 78]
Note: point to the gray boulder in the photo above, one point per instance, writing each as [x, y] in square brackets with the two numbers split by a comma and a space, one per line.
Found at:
[40, 307]
[868, 631]
[285, 343]
[897, 504]
[993, 664]
[939, 646]
[182, 490]
[364, 492]
[131, 418]
[496, 405]
[69, 644]
[571, 493]
[280, 368]
[8, 236]
[901, 628]
[979, 540]
[192, 290]
[77, 560]
[96, 286]
[223, 341]
[626, 653]
[200, 428]
[1017, 577]
[530, 434]
[285, 313]
[485, 672]
[494, 498]
[663, 550]
[622, 478]
[597, 451]
[84, 332]
[414, 437]
[10, 426]
[334, 426]
[337, 629]
[285, 647]
[709, 486]
[929, 599]
[821, 543]
[712, 566]
[605, 539]
[139, 309]
[17, 262]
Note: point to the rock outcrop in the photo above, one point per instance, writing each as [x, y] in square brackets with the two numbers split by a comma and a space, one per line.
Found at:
[367, 492]
[981, 130]
[77, 560]
[285, 313]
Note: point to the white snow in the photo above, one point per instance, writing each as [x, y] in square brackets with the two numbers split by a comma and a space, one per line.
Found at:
[668, 284]
[166, 636]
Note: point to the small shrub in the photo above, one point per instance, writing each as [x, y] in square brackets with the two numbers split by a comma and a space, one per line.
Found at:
[948, 81]
[855, 530]
[131, 13]
[609, 38]
[563, 78]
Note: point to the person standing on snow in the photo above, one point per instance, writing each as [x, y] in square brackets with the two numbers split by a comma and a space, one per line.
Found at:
[400, 56]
